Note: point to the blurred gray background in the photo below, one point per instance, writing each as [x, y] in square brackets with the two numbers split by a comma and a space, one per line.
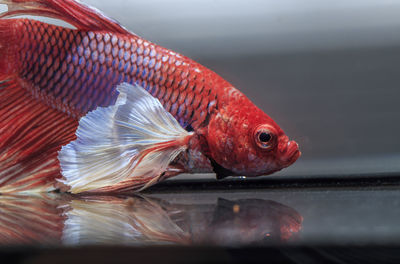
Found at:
[326, 71]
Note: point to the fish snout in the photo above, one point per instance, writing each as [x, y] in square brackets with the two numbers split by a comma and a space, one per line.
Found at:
[289, 152]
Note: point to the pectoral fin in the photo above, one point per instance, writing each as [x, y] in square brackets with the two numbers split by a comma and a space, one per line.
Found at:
[122, 147]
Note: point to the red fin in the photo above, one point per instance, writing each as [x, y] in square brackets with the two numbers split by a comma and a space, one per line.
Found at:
[8, 45]
[31, 134]
[77, 14]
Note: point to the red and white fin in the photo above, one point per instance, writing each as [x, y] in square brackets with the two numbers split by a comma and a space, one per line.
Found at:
[127, 146]
[31, 134]
[78, 14]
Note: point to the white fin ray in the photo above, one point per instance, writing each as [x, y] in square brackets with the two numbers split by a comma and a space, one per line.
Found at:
[134, 139]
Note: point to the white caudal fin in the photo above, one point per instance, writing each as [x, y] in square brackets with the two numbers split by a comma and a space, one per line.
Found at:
[122, 147]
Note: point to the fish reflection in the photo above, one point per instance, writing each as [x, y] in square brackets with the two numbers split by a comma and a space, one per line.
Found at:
[252, 220]
[31, 219]
[110, 220]
[141, 220]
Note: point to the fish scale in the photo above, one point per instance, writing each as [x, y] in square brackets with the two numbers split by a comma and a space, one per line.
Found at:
[79, 71]
[75, 114]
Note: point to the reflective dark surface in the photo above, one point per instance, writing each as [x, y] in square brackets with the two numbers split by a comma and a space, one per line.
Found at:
[142, 220]
[285, 216]
[185, 222]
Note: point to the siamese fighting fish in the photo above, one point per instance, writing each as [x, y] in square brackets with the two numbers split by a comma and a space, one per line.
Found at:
[92, 107]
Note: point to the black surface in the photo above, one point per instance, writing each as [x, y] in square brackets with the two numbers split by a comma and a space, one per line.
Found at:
[329, 220]
[265, 183]
[300, 254]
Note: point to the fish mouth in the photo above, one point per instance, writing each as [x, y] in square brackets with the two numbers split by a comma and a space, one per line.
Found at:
[290, 153]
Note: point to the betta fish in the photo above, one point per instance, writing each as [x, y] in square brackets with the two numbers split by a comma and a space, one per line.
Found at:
[92, 107]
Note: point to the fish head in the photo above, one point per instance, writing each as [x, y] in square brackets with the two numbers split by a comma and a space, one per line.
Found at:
[244, 141]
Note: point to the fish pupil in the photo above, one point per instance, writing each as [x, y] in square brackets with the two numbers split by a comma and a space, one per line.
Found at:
[264, 137]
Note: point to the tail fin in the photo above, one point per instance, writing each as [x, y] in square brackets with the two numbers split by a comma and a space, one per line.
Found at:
[31, 134]
[78, 14]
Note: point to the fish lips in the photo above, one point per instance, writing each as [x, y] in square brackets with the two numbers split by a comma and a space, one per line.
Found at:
[289, 153]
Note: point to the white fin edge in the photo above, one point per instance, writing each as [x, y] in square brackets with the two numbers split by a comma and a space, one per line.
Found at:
[134, 140]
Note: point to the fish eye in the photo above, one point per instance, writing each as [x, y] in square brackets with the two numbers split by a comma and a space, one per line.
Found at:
[265, 139]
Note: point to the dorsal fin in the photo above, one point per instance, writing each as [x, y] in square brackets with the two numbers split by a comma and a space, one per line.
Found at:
[81, 16]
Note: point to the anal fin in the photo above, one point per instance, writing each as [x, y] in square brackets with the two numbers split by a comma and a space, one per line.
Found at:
[126, 146]
[31, 134]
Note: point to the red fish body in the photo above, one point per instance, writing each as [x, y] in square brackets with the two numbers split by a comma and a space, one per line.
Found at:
[79, 70]
[52, 76]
